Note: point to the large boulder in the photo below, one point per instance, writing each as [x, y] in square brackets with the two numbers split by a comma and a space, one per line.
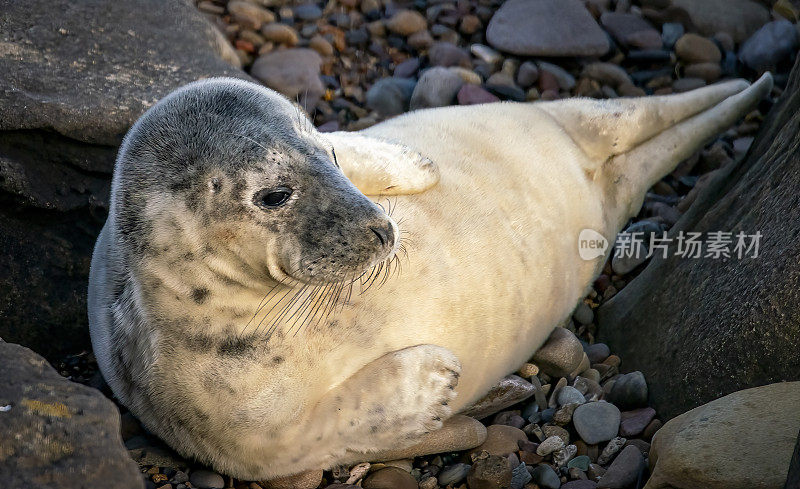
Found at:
[701, 328]
[56, 433]
[744, 440]
[74, 76]
[739, 18]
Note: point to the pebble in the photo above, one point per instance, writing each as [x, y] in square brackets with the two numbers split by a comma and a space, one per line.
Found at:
[769, 45]
[453, 474]
[321, 45]
[631, 30]
[407, 22]
[589, 387]
[545, 477]
[624, 470]
[610, 450]
[597, 352]
[486, 54]
[580, 484]
[389, 478]
[390, 96]
[248, 15]
[493, 472]
[510, 390]
[693, 48]
[739, 18]
[448, 54]
[580, 462]
[205, 479]
[546, 28]
[560, 354]
[634, 422]
[606, 73]
[304, 480]
[437, 87]
[280, 34]
[635, 254]
[501, 440]
[307, 11]
[570, 395]
[583, 313]
[564, 79]
[687, 84]
[563, 456]
[407, 68]
[428, 483]
[554, 430]
[629, 391]
[520, 476]
[709, 72]
[642, 445]
[293, 72]
[527, 74]
[550, 445]
[509, 418]
[470, 94]
[651, 429]
[563, 416]
[670, 33]
[596, 422]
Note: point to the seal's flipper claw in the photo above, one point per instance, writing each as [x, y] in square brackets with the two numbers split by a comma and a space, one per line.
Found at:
[378, 167]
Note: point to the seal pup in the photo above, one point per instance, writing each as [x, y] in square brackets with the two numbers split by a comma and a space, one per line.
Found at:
[225, 299]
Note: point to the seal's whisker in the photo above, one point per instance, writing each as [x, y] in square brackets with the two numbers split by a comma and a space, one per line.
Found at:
[305, 309]
[285, 310]
[282, 311]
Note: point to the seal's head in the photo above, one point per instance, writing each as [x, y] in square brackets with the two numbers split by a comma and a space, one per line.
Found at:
[233, 174]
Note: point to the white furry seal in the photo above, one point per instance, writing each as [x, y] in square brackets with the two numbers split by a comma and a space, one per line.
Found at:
[226, 303]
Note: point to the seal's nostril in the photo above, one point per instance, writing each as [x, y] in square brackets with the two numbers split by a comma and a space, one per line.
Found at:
[381, 234]
[385, 235]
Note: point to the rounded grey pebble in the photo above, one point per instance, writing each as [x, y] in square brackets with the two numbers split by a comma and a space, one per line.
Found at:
[583, 313]
[545, 477]
[597, 352]
[596, 422]
[205, 479]
[453, 474]
[629, 391]
[570, 395]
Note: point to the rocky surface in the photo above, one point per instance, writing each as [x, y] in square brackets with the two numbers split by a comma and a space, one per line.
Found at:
[703, 448]
[56, 433]
[70, 86]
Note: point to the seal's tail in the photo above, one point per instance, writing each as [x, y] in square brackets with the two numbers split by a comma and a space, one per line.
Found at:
[634, 142]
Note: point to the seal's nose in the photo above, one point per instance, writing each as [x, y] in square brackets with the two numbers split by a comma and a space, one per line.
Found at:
[385, 234]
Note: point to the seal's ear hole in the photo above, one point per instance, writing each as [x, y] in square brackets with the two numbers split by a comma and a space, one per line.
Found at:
[267, 198]
[214, 185]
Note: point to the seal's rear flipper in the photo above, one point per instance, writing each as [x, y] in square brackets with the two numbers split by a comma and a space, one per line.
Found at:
[632, 143]
[379, 167]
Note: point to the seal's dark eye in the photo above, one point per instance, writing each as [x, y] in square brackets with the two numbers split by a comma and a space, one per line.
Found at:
[272, 197]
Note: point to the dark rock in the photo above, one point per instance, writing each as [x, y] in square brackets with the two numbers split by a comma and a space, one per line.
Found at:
[629, 391]
[624, 470]
[390, 96]
[307, 11]
[631, 30]
[634, 422]
[546, 28]
[510, 390]
[580, 484]
[769, 45]
[597, 352]
[545, 477]
[677, 332]
[63, 110]
[453, 474]
[407, 68]
[57, 433]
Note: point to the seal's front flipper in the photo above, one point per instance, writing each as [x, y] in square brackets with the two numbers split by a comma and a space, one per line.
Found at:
[379, 167]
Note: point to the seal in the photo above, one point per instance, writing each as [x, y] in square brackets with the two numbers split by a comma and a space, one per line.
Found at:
[255, 309]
